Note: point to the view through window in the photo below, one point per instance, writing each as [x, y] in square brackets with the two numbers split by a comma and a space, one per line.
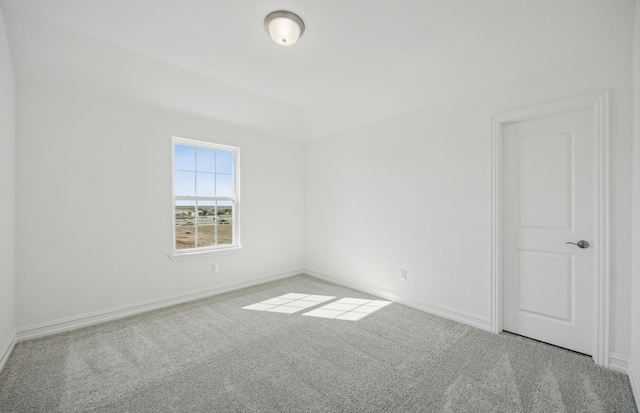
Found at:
[205, 195]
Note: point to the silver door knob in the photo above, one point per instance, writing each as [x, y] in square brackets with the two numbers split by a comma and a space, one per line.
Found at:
[580, 244]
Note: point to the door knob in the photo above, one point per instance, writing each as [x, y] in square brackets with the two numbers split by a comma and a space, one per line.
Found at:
[580, 244]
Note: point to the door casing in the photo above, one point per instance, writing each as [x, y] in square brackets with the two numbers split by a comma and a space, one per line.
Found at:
[598, 103]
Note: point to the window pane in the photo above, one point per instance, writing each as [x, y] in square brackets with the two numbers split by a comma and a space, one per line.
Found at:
[205, 184]
[184, 183]
[224, 185]
[206, 223]
[205, 160]
[224, 162]
[225, 223]
[206, 235]
[185, 224]
[185, 158]
[206, 212]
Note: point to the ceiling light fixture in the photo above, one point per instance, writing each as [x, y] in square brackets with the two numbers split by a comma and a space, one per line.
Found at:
[284, 27]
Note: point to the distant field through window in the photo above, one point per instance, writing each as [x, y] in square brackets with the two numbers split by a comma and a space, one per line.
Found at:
[205, 196]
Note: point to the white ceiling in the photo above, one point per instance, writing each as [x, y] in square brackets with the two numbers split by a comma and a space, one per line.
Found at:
[358, 60]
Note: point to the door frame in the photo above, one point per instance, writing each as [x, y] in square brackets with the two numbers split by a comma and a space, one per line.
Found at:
[599, 105]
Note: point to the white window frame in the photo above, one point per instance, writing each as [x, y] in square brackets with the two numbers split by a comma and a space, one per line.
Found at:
[179, 254]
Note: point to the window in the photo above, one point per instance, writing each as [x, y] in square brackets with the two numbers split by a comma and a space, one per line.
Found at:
[205, 196]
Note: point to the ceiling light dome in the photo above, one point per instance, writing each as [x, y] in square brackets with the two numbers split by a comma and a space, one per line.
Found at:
[284, 27]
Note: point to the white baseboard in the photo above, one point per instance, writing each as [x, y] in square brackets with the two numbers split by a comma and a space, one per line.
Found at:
[619, 363]
[635, 389]
[84, 320]
[6, 349]
[450, 313]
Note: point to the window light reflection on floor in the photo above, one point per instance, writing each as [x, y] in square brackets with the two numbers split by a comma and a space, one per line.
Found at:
[351, 309]
[289, 303]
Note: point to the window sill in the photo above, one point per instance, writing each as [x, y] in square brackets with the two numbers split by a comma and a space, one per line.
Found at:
[188, 256]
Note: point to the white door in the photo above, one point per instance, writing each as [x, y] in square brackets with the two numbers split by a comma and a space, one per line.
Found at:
[548, 200]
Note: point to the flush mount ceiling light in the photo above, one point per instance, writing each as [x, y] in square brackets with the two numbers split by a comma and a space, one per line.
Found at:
[284, 27]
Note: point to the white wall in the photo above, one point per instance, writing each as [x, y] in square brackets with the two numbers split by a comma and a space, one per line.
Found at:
[7, 194]
[634, 368]
[94, 204]
[414, 192]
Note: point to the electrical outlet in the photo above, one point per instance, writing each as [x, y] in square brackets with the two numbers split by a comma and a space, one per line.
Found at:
[215, 268]
[403, 275]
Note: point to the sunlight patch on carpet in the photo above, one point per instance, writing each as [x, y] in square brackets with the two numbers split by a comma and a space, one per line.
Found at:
[289, 303]
[351, 309]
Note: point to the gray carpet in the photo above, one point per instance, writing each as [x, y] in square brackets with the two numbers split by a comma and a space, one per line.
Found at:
[213, 356]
